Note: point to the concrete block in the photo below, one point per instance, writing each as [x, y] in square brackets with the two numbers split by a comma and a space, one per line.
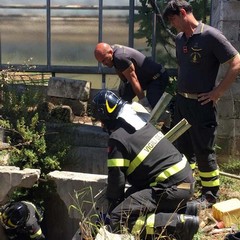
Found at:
[62, 220]
[228, 108]
[79, 134]
[224, 11]
[225, 17]
[235, 148]
[231, 30]
[224, 146]
[235, 88]
[87, 160]
[12, 177]
[68, 183]
[225, 108]
[227, 211]
[226, 127]
[237, 109]
[227, 147]
[69, 88]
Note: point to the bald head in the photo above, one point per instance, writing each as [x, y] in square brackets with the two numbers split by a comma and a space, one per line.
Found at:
[104, 54]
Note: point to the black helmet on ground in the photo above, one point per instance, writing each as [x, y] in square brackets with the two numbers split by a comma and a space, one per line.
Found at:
[14, 215]
[106, 105]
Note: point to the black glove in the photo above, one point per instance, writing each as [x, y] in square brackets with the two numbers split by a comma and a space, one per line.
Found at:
[103, 219]
[112, 204]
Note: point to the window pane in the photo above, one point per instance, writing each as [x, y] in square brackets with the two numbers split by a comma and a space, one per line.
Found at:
[23, 37]
[111, 20]
[73, 39]
[141, 43]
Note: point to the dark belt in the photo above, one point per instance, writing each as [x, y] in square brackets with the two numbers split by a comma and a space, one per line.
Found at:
[157, 75]
[189, 95]
[186, 186]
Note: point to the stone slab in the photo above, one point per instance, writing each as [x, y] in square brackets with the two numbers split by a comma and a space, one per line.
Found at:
[79, 134]
[69, 88]
[12, 177]
[87, 160]
[71, 184]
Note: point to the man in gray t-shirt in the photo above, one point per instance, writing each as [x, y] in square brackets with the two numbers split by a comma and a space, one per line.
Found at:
[136, 71]
[200, 49]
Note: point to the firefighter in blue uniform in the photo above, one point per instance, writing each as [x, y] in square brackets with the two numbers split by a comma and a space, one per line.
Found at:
[160, 177]
[21, 221]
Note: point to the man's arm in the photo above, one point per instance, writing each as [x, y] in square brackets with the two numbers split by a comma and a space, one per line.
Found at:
[131, 76]
[230, 76]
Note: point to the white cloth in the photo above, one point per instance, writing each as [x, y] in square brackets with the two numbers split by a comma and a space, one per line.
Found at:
[134, 114]
[144, 101]
[103, 234]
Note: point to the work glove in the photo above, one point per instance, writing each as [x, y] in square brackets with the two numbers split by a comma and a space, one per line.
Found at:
[145, 103]
[103, 219]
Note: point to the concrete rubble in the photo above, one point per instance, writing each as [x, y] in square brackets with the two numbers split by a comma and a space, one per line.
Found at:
[12, 177]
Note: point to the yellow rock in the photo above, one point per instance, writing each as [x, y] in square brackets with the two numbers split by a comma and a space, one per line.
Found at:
[227, 211]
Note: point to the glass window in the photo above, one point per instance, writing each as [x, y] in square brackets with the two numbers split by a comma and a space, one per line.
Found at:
[73, 38]
[23, 37]
[74, 32]
[112, 20]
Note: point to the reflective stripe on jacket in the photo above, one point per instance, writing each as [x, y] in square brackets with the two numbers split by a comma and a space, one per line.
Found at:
[144, 158]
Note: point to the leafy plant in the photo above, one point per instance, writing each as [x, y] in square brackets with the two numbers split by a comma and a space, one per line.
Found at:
[232, 166]
[26, 136]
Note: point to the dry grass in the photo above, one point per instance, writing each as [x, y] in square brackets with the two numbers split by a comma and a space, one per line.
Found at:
[206, 223]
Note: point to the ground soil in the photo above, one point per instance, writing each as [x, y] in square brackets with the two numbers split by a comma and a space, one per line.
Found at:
[207, 230]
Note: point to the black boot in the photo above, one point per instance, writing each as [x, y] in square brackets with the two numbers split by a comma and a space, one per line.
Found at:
[186, 227]
[206, 200]
[232, 236]
[191, 209]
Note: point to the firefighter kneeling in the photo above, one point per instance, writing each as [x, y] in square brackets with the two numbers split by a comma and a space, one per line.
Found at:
[160, 177]
[21, 221]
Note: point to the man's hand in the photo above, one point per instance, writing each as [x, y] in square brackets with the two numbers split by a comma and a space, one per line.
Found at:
[212, 96]
[146, 104]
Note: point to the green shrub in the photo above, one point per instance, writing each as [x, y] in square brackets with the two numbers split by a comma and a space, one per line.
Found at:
[25, 134]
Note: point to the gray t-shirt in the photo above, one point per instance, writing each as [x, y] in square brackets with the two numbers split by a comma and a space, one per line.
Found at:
[145, 67]
[199, 58]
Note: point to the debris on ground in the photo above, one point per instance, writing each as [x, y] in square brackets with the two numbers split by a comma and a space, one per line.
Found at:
[213, 228]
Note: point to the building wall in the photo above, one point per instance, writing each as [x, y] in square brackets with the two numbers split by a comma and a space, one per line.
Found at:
[225, 16]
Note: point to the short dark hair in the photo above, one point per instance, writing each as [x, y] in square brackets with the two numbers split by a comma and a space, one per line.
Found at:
[173, 8]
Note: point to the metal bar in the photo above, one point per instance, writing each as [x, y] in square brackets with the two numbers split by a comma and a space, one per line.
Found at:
[0, 48]
[67, 69]
[177, 130]
[48, 16]
[103, 81]
[154, 27]
[131, 24]
[100, 34]
[160, 107]
[67, 7]
[100, 21]
[229, 175]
